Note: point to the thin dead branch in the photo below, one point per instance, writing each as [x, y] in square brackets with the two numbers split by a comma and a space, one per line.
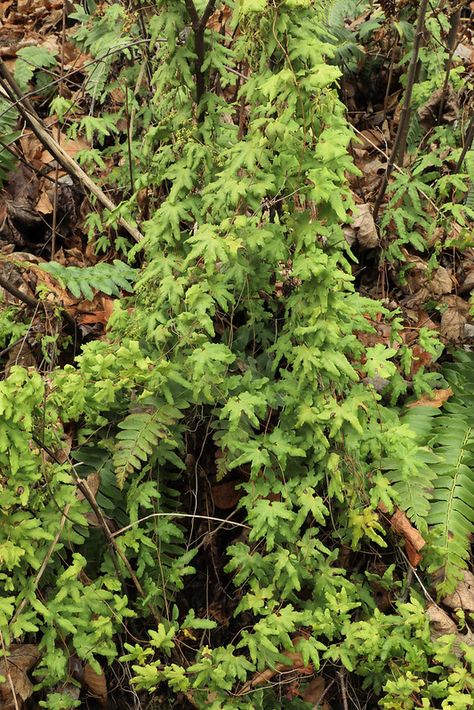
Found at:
[398, 149]
[14, 95]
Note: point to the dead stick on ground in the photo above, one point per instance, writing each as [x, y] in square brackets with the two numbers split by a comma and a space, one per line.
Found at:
[468, 138]
[70, 165]
[8, 674]
[88, 495]
[400, 138]
[30, 300]
[44, 564]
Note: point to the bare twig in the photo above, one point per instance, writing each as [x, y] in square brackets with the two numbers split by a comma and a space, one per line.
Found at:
[8, 674]
[28, 114]
[223, 521]
[468, 138]
[31, 301]
[199, 27]
[400, 138]
[28, 300]
[342, 684]
[44, 564]
[451, 45]
[89, 496]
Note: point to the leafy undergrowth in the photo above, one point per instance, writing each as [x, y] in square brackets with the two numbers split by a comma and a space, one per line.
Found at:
[236, 436]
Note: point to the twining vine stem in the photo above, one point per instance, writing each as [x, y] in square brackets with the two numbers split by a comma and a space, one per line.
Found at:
[398, 149]
[199, 27]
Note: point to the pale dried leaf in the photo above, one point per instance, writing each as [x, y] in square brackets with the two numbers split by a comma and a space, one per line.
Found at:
[366, 231]
[438, 398]
[468, 283]
[44, 206]
[440, 281]
[452, 324]
[22, 658]
[95, 682]
[463, 596]
[442, 625]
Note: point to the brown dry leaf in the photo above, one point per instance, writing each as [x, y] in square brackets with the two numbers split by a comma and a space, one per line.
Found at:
[366, 231]
[22, 658]
[71, 147]
[452, 324]
[92, 482]
[265, 676]
[44, 206]
[100, 315]
[414, 541]
[314, 692]
[95, 683]
[439, 398]
[372, 137]
[219, 18]
[442, 625]
[463, 596]
[441, 622]
[421, 358]
[440, 281]
[468, 283]
[428, 113]
[225, 495]
[454, 301]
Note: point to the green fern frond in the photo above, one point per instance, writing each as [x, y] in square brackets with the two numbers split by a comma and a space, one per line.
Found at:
[8, 119]
[448, 508]
[29, 59]
[469, 160]
[82, 282]
[413, 484]
[138, 437]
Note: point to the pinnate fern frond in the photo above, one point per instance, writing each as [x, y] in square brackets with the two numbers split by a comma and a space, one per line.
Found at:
[138, 436]
[449, 512]
[82, 282]
[141, 434]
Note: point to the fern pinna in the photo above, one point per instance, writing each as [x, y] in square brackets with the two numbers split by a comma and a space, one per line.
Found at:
[444, 498]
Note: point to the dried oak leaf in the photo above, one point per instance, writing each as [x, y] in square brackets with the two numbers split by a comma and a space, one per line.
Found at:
[452, 324]
[463, 596]
[414, 541]
[95, 683]
[366, 231]
[437, 400]
[17, 687]
[440, 282]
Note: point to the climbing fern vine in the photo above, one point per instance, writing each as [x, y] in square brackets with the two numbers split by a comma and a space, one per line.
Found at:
[235, 359]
